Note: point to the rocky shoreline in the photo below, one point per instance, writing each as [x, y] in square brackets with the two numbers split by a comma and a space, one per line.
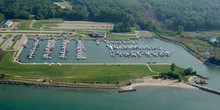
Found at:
[59, 84]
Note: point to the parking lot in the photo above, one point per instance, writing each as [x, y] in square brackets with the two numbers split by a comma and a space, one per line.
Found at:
[8, 42]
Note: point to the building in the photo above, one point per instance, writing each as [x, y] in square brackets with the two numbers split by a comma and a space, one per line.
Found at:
[97, 34]
[6, 24]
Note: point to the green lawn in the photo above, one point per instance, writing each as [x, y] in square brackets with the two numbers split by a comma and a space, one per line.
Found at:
[163, 68]
[47, 22]
[25, 25]
[70, 73]
[111, 35]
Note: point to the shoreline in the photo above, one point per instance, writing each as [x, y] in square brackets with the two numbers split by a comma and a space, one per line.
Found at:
[145, 81]
[149, 81]
[186, 49]
[59, 84]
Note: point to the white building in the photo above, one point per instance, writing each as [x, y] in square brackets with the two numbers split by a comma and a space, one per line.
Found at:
[6, 24]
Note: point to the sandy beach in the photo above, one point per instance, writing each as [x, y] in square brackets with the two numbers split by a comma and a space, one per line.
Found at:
[149, 81]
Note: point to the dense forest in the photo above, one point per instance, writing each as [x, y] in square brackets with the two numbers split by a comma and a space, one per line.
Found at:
[192, 15]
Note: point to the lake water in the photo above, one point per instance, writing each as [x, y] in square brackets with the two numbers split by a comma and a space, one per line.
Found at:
[152, 98]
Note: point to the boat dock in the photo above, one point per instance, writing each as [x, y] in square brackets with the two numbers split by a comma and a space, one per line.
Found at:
[48, 52]
[110, 48]
[34, 50]
[64, 52]
[115, 48]
[80, 50]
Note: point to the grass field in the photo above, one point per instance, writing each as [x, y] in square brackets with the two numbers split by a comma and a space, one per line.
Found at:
[164, 68]
[70, 73]
[65, 4]
[111, 35]
[47, 22]
[25, 25]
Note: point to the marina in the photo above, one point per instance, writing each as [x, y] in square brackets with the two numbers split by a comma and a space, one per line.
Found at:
[96, 51]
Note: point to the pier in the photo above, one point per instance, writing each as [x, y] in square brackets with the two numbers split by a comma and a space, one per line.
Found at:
[34, 50]
[48, 52]
[80, 50]
[64, 49]
[205, 88]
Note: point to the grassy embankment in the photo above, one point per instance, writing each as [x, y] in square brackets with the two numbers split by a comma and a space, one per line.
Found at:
[112, 35]
[197, 44]
[71, 73]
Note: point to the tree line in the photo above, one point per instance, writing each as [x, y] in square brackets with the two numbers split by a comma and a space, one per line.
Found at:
[122, 13]
[192, 15]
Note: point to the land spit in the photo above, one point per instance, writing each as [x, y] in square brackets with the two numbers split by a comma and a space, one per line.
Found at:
[186, 49]
[149, 81]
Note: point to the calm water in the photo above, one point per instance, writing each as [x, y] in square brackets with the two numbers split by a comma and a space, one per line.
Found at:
[146, 98]
[152, 98]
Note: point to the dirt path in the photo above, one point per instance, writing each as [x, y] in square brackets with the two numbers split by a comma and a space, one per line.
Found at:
[32, 22]
[151, 69]
[59, 5]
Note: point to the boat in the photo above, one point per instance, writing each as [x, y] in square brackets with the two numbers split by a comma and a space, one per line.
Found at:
[201, 82]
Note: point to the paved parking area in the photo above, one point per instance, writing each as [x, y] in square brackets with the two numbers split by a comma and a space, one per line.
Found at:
[1, 38]
[8, 42]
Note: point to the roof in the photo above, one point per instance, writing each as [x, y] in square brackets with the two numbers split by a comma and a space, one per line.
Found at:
[7, 22]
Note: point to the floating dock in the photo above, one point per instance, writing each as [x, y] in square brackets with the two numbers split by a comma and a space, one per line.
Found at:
[64, 52]
[80, 50]
[34, 50]
[48, 52]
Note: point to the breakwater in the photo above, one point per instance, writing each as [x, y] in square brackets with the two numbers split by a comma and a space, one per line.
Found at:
[205, 88]
[59, 84]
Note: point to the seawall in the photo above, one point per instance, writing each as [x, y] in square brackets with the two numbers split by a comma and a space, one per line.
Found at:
[59, 84]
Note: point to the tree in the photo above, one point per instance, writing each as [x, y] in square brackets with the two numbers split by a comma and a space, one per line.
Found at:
[2, 76]
[188, 71]
[173, 67]
[180, 30]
